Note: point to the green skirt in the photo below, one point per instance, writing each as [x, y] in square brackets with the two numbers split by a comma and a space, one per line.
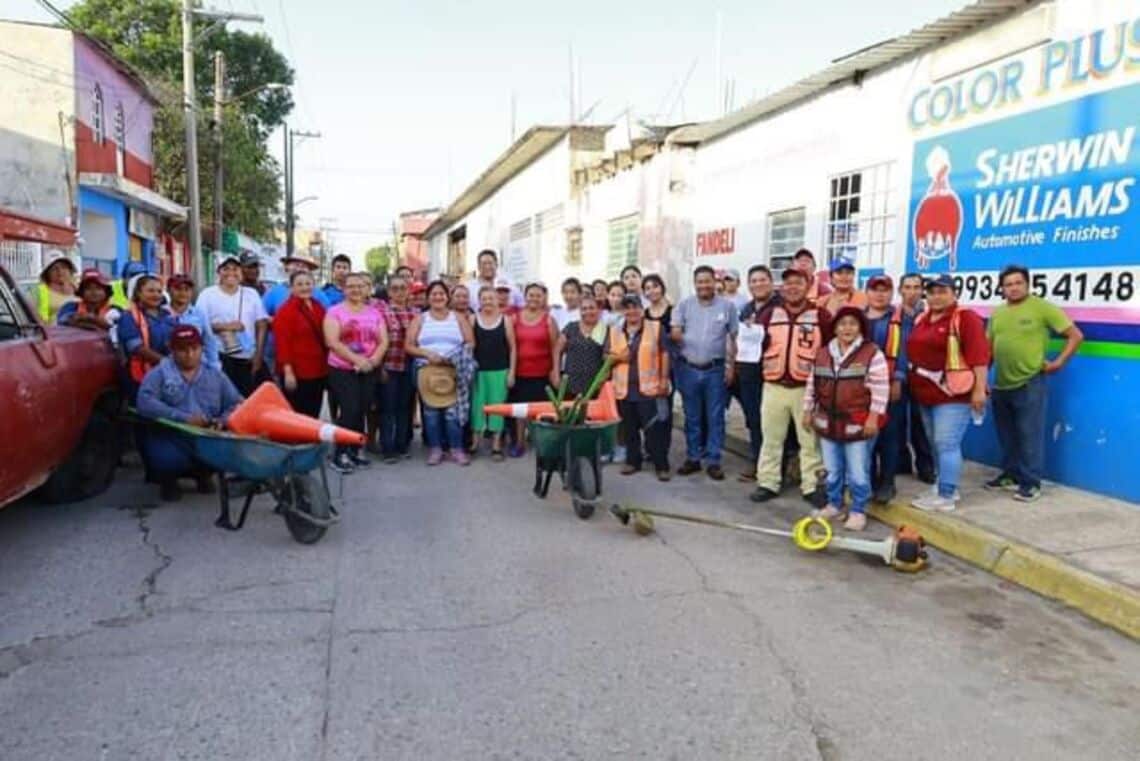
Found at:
[490, 388]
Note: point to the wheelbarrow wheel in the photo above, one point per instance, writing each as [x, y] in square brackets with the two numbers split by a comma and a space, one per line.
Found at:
[585, 487]
[311, 499]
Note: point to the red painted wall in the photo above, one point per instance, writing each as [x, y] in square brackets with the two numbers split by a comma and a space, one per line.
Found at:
[91, 156]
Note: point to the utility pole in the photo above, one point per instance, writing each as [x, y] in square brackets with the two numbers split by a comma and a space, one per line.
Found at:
[190, 114]
[219, 103]
[289, 197]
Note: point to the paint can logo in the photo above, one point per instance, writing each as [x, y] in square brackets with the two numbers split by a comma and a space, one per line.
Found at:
[938, 217]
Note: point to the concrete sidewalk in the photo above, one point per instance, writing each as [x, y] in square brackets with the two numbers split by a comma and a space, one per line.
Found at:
[1073, 546]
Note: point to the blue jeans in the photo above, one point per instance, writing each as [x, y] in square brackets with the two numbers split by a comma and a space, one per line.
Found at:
[848, 466]
[395, 415]
[442, 424]
[888, 446]
[945, 426]
[1019, 415]
[703, 397]
[747, 390]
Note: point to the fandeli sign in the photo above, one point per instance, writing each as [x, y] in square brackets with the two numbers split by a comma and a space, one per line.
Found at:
[1054, 189]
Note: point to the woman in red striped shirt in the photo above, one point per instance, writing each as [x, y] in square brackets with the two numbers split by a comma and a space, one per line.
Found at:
[301, 351]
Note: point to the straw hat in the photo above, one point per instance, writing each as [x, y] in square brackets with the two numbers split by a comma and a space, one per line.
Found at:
[437, 386]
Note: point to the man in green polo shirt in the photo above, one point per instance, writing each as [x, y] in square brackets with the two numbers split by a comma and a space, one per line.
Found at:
[1019, 333]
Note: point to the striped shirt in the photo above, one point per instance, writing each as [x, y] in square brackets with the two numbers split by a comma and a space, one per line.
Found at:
[878, 380]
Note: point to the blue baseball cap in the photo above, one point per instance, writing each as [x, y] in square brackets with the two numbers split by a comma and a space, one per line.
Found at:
[130, 269]
[943, 280]
[842, 264]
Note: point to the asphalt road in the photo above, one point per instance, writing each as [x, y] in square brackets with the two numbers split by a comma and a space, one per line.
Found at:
[451, 615]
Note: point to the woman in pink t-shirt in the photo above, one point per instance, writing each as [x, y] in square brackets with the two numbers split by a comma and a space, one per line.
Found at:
[357, 338]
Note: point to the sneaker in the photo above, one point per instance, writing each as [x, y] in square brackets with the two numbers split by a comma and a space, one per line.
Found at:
[830, 512]
[1028, 494]
[391, 459]
[933, 503]
[957, 494]
[1001, 483]
[342, 464]
[664, 475]
[762, 494]
[855, 522]
[461, 458]
[517, 450]
[435, 456]
[927, 476]
[746, 477]
[619, 454]
[817, 499]
[688, 468]
[360, 460]
[629, 470]
[715, 472]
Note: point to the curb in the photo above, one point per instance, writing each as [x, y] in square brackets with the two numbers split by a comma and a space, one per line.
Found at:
[1107, 602]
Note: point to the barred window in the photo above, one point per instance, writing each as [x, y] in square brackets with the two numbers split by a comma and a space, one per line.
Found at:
[785, 237]
[861, 218]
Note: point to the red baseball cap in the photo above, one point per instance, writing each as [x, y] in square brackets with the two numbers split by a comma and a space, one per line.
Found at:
[880, 280]
[185, 335]
[180, 278]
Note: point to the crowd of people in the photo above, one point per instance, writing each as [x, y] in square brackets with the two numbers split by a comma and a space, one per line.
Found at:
[850, 387]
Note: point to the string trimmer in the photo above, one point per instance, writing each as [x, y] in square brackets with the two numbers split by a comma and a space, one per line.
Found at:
[904, 550]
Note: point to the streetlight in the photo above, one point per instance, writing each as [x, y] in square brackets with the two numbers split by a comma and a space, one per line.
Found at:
[253, 91]
[306, 199]
[289, 205]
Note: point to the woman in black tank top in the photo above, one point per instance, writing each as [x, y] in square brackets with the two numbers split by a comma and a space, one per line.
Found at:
[495, 354]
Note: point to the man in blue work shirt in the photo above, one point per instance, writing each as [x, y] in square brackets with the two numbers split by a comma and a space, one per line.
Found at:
[183, 389]
[889, 331]
[333, 290]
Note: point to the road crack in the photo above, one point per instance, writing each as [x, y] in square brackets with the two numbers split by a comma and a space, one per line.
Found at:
[150, 581]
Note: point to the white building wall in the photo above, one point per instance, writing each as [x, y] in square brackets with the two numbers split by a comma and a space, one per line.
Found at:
[785, 160]
[542, 185]
[37, 110]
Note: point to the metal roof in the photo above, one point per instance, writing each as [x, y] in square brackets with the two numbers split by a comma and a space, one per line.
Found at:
[859, 63]
[523, 152]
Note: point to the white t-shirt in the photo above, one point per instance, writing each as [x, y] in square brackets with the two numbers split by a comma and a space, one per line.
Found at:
[243, 304]
[563, 316]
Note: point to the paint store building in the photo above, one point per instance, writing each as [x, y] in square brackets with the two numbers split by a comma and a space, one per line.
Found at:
[1004, 132]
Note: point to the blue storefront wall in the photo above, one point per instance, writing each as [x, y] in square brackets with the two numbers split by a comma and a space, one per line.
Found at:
[1092, 428]
[108, 206]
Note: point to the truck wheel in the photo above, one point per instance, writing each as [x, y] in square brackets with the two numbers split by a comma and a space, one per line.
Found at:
[88, 470]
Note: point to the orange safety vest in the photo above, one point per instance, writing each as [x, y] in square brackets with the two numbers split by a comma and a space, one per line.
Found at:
[894, 341]
[136, 365]
[792, 345]
[652, 361]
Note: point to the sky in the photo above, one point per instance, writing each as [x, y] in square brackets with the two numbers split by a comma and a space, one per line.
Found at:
[413, 99]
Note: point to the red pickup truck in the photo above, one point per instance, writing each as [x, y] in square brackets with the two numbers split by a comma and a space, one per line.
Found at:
[59, 402]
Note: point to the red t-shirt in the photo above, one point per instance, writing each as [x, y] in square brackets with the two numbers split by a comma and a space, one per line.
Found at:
[535, 351]
[926, 348]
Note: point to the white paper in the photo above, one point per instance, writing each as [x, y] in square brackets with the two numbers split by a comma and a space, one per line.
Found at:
[749, 342]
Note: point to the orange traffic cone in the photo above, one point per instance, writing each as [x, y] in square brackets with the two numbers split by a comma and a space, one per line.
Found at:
[601, 410]
[267, 413]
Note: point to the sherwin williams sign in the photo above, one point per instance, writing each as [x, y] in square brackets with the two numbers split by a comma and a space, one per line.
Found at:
[1054, 189]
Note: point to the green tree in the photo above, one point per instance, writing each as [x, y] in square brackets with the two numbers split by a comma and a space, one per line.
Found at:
[378, 260]
[147, 35]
